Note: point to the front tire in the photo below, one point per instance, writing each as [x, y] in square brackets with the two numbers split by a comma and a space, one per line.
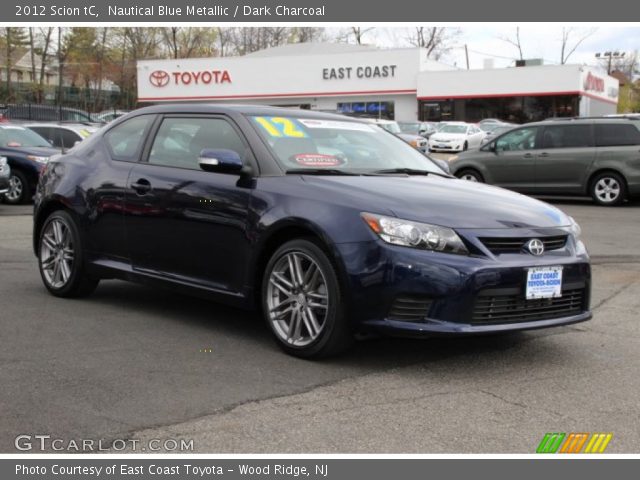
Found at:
[470, 175]
[61, 258]
[19, 190]
[303, 303]
[466, 146]
[608, 189]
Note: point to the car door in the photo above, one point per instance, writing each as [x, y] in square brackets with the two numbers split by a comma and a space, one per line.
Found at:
[511, 158]
[114, 155]
[184, 223]
[565, 158]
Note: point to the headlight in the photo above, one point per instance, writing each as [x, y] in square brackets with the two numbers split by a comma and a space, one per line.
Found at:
[575, 229]
[35, 158]
[413, 234]
[3, 162]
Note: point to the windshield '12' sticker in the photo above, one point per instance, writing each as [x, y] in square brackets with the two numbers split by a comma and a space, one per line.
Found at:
[282, 127]
[317, 160]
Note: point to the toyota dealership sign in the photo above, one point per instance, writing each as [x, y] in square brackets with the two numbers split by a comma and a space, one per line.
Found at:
[162, 78]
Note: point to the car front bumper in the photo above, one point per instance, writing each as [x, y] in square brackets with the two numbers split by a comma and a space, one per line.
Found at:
[4, 183]
[446, 147]
[460, 295]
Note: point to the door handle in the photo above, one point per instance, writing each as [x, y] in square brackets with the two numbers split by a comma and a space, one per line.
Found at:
[543, 154]
[142, 186]
[527, 155]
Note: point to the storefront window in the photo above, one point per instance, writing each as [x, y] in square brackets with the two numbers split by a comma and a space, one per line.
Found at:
[508, 109]
[383, 110]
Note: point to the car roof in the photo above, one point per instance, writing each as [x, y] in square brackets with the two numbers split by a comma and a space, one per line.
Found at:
[573, 120]
[251, 110]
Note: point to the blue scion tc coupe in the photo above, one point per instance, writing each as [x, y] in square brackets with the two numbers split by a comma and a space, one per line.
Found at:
[328, 225]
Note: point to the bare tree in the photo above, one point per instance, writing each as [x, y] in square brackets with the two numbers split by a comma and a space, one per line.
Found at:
[46, 36]
[359, 32]
[571, 40]
[515, 41]
[187, 42]
[436, 40]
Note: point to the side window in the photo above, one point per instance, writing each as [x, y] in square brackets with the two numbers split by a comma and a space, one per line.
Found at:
[69, 138]
[615, 135]
[521, 139]
[567, 136]
[179, 141]
[125, 140]
[46, 133]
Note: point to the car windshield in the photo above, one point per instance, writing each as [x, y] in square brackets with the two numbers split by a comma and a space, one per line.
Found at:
[337, 146]
[391, 127]
[412, 128]
[21, 137]
[454, 129]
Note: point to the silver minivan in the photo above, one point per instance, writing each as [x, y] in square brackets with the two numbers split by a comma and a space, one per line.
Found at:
[597, 157]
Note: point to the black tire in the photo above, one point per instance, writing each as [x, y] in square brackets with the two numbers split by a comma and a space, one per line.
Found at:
[79, 283]
[470, 175]
[604, 180]
[18, 180]
[336, 335]
[466, 146]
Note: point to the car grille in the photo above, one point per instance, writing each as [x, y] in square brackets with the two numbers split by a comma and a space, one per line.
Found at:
[490, 308]
[500, 245]
[410, 309]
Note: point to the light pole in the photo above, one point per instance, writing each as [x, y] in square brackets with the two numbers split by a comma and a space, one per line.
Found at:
[610, 56]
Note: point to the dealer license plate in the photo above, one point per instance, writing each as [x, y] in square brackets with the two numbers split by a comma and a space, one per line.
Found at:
[544, 282]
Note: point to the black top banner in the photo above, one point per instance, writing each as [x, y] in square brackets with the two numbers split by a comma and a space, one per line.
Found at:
[295, 11]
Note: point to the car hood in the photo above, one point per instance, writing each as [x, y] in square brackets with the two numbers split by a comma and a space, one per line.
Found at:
[439, 200]
[410, 137]
[448, 136]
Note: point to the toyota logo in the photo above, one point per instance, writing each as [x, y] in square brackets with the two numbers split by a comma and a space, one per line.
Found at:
[535, 247]
[159, 78]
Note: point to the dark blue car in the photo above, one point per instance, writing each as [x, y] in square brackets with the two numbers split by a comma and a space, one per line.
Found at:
[328, 225]
[26, 153]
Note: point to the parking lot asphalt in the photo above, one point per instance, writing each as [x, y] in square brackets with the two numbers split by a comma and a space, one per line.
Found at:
[134, 362]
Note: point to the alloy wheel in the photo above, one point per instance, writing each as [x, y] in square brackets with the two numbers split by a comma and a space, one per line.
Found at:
[57, 253]
[607, 189]
[469, 177]
[15, 189]
[297, 299]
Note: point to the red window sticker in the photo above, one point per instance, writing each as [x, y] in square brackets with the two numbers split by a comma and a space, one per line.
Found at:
[317, 160]
[14, 144]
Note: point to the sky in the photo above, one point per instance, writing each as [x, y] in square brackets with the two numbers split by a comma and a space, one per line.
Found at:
[538, 41]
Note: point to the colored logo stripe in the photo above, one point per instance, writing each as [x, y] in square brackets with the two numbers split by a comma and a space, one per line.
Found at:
[598, 443]
[550, 443]
[574, 442]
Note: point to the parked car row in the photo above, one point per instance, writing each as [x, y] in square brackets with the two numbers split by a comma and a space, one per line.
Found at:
[26, 147]
[599, 157]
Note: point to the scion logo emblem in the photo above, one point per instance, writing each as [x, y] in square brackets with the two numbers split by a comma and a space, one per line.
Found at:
[159, 78]
[535, 247]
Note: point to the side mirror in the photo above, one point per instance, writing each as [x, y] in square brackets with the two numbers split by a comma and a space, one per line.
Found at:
[220, 160]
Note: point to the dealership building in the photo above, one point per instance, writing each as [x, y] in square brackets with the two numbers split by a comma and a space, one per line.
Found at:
[400, 84]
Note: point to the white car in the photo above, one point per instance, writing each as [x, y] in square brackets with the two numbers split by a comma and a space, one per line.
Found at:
[63, 135]
[456, 137]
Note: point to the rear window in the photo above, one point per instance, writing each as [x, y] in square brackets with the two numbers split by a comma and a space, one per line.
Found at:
[567, 136]
[616, 135]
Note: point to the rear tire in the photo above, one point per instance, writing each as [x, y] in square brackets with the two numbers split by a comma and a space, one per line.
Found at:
[19, 189]
[303, 302]
[608, 189]
[61, 258]
[470, 175]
